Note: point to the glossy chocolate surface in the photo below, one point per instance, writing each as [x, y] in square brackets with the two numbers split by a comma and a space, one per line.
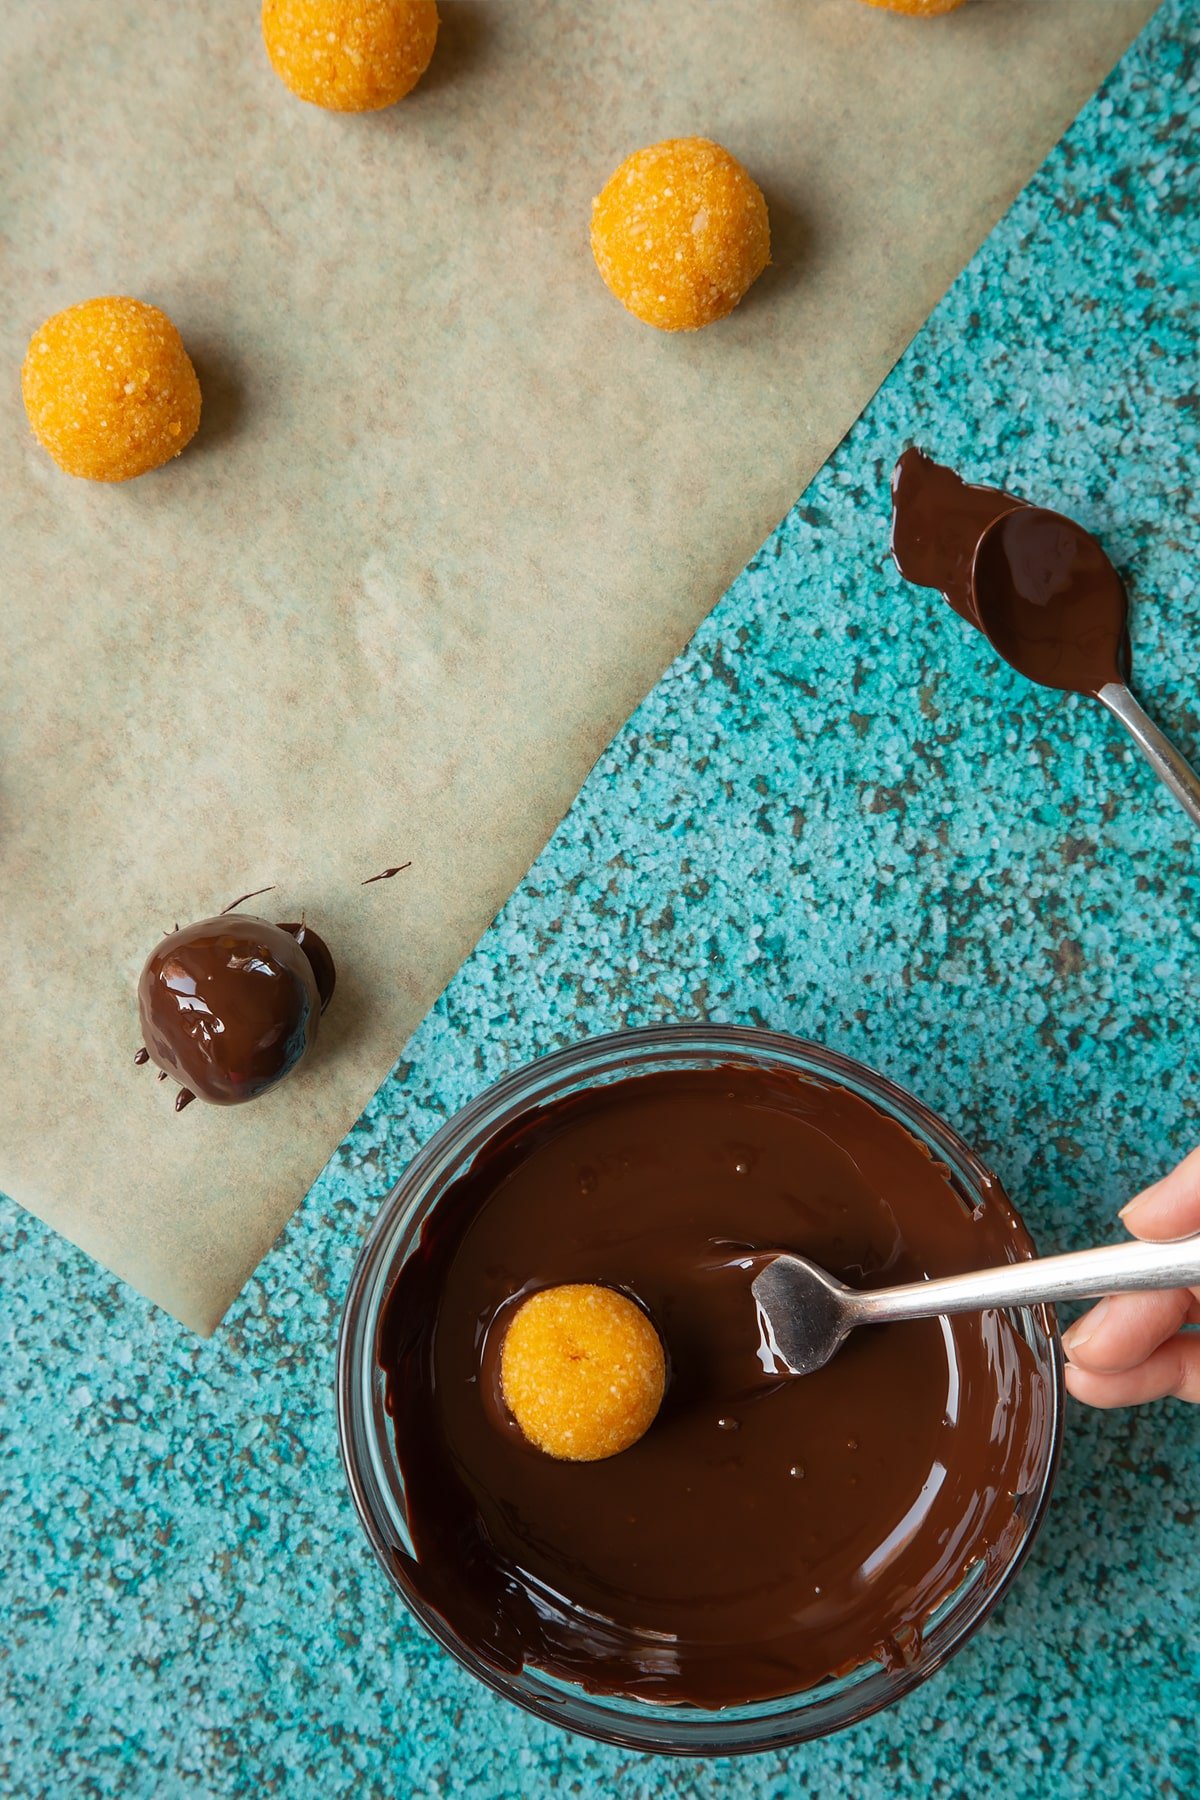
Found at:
[937, 521]
[1038, 585]
[1051, 602]
[229, 1006]
[766, 1532]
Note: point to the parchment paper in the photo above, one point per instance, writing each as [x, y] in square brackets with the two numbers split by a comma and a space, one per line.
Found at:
[449, 513]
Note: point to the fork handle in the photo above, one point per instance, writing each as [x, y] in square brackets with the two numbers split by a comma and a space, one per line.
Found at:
[1079, 1275]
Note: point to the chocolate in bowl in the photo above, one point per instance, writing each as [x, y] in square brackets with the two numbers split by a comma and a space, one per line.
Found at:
[693, 1593]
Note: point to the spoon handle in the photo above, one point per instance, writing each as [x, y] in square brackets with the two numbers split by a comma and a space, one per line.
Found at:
[1168, 763]
[1079, 1275]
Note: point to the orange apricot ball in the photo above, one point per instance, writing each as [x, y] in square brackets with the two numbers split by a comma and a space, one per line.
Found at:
[582, 1371]
[919, 9]
[109, 389]
[679, 232]
[350, 55]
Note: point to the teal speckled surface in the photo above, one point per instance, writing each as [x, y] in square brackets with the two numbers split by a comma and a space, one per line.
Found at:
[835, 816]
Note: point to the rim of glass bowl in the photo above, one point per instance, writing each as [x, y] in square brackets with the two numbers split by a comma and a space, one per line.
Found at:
[372, 1467]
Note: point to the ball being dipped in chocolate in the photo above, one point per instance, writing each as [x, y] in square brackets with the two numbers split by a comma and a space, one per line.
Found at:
[231, 1005]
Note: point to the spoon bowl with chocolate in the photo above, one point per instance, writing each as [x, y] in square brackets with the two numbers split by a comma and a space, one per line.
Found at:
[1038, 586]
[678, 1548]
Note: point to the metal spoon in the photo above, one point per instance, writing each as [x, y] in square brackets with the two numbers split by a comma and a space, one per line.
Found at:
[1168, 763]
[1049, 600]
[804, 1314]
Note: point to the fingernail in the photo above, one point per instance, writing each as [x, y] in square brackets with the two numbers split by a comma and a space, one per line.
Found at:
[1084, 1329]
[1138, 1202]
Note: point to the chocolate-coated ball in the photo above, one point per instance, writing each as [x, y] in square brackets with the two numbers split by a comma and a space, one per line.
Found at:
[230, 1006]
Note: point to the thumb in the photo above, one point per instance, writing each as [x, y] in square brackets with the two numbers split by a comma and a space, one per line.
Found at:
[1170, 1208]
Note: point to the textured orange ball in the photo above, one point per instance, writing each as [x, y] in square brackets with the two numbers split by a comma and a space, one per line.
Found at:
[919, 9]
[350, 55]
[679, 232]
[582, 1371]
[109, 389]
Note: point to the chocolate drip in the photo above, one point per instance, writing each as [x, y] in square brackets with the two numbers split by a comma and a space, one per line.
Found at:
[386, 874]
[242, 898]
[319, 955]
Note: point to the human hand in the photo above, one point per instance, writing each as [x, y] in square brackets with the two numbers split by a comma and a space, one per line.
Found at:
[1133, 1347]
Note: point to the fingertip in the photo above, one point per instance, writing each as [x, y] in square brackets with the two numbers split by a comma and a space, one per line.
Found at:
[1173, 1369]
[1071, 1378]
[1168, 1208]
[1138, 1214]
[1078, 1383]
[1125, 1329]
[1084, 1330]
[1099, 1391]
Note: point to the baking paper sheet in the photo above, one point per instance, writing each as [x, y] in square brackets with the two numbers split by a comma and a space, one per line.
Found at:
[449, 514]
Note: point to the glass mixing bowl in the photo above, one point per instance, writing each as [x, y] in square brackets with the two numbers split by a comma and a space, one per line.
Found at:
[377, 1483]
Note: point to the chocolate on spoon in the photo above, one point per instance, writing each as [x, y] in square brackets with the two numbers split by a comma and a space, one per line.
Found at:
[1048, 599]
[937, 520]
[1038, 586]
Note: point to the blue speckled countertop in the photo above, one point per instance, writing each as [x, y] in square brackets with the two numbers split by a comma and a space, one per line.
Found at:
[834, 816]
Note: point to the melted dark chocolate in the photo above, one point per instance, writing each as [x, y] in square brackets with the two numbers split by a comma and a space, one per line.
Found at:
[937, 520]
[1037, 585]
[230, 1006]
[765, 1533]
[1051, 602]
